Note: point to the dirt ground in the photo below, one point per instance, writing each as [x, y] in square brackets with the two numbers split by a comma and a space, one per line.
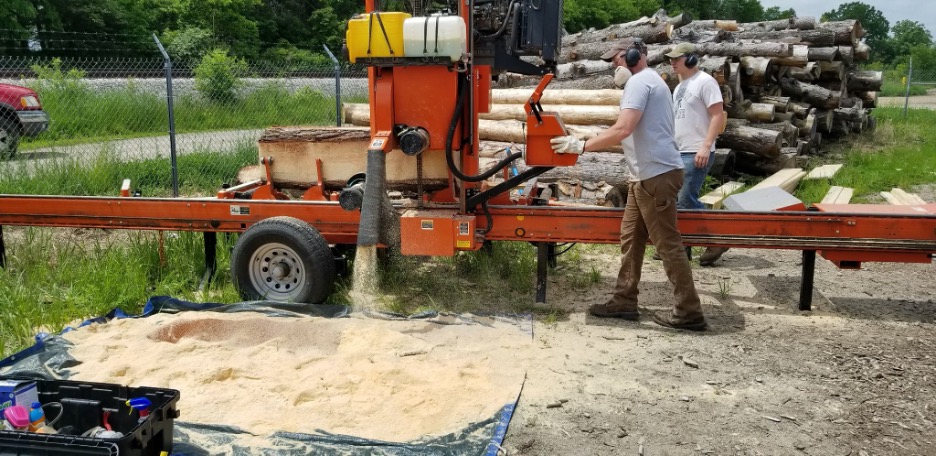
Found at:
[855, 376]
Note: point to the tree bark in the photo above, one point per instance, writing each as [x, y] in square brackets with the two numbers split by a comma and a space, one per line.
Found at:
[831, 71]
[851, 102]
[846, 32]
[717, 66]
[758, 112]
[850, 114]
[734, 82]
[862, 52]
[799, 58]
[766, 26]
[724, 164]
[868, 99]
[760, 141]
[729, 26]
[756, 71]
[826, 54]
[809, 73]
[864, 81]
[812, 94]
[751, 163]
[699, 36]
[816, 37]
[847, 54]
[799, 109]
[610, 97]
[781, 104]
[824, 120]
[745, 49]
[804, 23]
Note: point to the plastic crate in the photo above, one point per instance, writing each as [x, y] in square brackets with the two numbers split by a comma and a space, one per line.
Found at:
[83, 408]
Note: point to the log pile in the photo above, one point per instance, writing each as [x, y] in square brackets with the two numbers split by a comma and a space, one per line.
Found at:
[788, 85]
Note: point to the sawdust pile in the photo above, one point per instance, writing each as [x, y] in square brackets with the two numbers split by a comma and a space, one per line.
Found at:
[388, 380]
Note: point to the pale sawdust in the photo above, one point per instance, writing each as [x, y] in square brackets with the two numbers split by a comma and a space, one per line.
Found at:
[377, 379]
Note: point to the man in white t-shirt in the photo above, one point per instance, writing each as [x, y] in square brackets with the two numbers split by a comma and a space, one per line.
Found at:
[699, 109]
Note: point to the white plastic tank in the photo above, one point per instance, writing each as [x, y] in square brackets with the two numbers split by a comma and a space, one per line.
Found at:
[434, 36]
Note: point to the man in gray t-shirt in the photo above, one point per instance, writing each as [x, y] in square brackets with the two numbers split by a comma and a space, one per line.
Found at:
[657, 175]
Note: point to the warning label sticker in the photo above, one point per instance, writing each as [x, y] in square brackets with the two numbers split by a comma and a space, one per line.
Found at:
[426, 224]
[240, 210]
[462, 228]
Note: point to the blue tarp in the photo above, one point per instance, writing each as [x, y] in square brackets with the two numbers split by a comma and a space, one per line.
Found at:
[49, 359]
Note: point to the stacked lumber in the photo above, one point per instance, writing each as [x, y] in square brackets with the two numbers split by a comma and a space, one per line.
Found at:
[899, 197]
[838, 195]
[787, 84]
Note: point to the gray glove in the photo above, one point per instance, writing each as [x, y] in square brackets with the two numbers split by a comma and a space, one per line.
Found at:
[567, 145]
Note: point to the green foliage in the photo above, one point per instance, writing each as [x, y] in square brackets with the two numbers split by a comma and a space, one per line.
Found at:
[51, 77]
[218, 75]
[775, 13]
[740, 10]
[924, 62]
[582, 14]
[189, 44]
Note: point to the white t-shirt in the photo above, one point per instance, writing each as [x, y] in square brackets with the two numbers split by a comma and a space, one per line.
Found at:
[691, 100]
[654, 151]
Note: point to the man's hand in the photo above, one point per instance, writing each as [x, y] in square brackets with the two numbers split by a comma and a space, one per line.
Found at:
[702, 157]
[567, 145]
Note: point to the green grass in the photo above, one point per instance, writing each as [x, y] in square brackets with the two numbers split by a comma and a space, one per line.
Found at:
[899, 153]
[897, 89]
[200, 173]
[51, 280]
[79, 112]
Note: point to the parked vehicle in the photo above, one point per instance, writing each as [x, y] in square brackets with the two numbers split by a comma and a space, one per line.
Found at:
[21, 114]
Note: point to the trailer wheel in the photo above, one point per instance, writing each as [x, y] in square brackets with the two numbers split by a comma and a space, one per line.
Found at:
[9, 137]
[283, 259]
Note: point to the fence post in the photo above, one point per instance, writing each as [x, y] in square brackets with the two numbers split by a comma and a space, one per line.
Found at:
[337, 85]
[167, 64]
[909, 82]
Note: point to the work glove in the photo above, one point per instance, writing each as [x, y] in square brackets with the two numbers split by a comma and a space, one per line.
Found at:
[621, 75]
[567, 145]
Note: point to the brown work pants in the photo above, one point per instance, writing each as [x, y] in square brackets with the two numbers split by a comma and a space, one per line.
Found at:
[651, 213]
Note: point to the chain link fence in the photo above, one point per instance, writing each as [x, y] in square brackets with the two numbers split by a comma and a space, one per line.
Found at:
[109, 119]
[909, 87]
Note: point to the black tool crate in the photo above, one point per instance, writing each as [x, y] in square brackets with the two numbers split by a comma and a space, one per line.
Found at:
[83, 407]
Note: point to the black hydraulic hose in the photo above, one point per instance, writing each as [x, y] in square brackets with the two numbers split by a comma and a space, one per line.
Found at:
[450, 159]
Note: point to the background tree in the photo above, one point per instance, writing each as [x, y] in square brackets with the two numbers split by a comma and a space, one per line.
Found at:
[740, 10]
[582, 14]
[907, 35]
[774, 13]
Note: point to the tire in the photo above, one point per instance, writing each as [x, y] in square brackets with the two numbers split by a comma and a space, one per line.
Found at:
[283, 259]
[9, 137]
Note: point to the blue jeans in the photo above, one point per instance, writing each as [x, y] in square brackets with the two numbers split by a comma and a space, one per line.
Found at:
[695, 177]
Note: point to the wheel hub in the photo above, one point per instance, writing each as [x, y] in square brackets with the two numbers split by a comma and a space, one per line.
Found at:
[277, 271]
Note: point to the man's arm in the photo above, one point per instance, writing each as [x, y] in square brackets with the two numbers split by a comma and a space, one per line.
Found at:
[714, 127]
[622, 128]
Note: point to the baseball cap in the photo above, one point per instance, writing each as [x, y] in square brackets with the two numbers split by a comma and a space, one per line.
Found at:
[621, 46]
[615, 50]
[680, 50]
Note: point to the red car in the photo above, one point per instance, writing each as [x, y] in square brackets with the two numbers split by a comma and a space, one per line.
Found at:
[21, 114]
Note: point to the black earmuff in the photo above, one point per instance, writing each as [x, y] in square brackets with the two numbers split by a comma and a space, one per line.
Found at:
[692, 60]
[632, 55]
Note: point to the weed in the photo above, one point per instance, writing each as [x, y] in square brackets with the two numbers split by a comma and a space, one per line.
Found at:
[724, 287]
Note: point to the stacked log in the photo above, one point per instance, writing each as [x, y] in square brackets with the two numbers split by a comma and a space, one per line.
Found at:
[788, 83]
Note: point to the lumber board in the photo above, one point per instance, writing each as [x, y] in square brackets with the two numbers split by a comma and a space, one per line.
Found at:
[715, 198]
[838, 195]
[780, 178]
[823, 172]
[907, 199]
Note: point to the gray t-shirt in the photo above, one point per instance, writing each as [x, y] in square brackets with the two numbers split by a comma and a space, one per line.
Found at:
[692, 99]
[654, 151]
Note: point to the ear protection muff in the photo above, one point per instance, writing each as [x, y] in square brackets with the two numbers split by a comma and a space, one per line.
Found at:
[632, 54]
[692, 60]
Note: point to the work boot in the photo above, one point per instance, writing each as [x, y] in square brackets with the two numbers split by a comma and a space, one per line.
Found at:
[711, 254]
[613, 310]
[668, 320]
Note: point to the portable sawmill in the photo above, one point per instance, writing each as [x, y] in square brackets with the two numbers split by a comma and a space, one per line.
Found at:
[429, 77]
